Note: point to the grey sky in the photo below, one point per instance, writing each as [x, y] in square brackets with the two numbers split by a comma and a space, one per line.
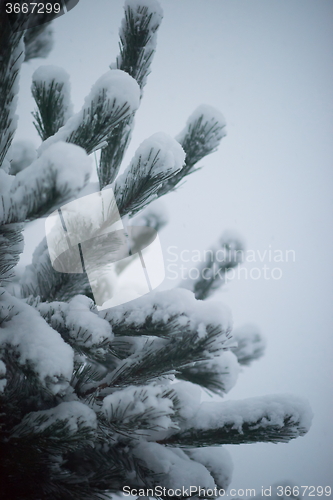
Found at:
[267, 65]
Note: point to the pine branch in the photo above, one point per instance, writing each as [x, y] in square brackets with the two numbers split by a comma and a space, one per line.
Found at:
[137, 46]
[56, 176]
[157, 159]
[226, 255]
[113, 98]
[11, 58]
[218, 375]
[50, 89]
[274, 419]
[201, 136]
[11, 247]
[160, 358]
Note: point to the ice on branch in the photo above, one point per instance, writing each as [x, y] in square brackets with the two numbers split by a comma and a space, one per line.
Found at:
[276, 418]
[218, 374]
[70, 420]
[58, 175]
[143, 410]
[217, 461]
[51, 91]
[251, 344]
[21, 155]
[172, 468]
[157, 159]
[36, 344]
[38, 41]
[113, 97]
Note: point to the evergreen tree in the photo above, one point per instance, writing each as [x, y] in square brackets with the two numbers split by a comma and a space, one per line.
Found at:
[93, 400]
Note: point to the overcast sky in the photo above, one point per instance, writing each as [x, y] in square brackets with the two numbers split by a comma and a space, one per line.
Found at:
[267, 66]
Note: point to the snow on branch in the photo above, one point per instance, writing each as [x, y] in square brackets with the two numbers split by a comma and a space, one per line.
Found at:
[275, 419]
[37, 346]
[201, 136]
[59, 174]
[113, 97]
[62, 428]
[223, 256]
[157, 159]
[140, 411]
[162, 314]
[172, 468]
[21, 155]
[217, 461]
[51, 91]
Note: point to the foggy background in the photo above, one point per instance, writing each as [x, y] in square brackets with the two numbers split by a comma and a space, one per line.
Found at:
[268, 67]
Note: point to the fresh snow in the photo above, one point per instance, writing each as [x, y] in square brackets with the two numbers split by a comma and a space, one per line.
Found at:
[217, 460]
[177, 470]
[21, 154]
[140, 403]
[36, 343]
[271, 410]
[72, 414]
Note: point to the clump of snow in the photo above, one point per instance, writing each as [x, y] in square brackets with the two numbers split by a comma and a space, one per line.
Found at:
[178, 305]
[270, 410]
[21, 154]
[189, 396]
[143, 404]
[73, 416]
[36, 343]
[117, 88]
[51, 74]
[217, 460]
[175, 468]
[80, 318]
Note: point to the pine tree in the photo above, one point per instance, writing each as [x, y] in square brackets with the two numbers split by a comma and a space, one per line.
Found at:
[95, 399]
